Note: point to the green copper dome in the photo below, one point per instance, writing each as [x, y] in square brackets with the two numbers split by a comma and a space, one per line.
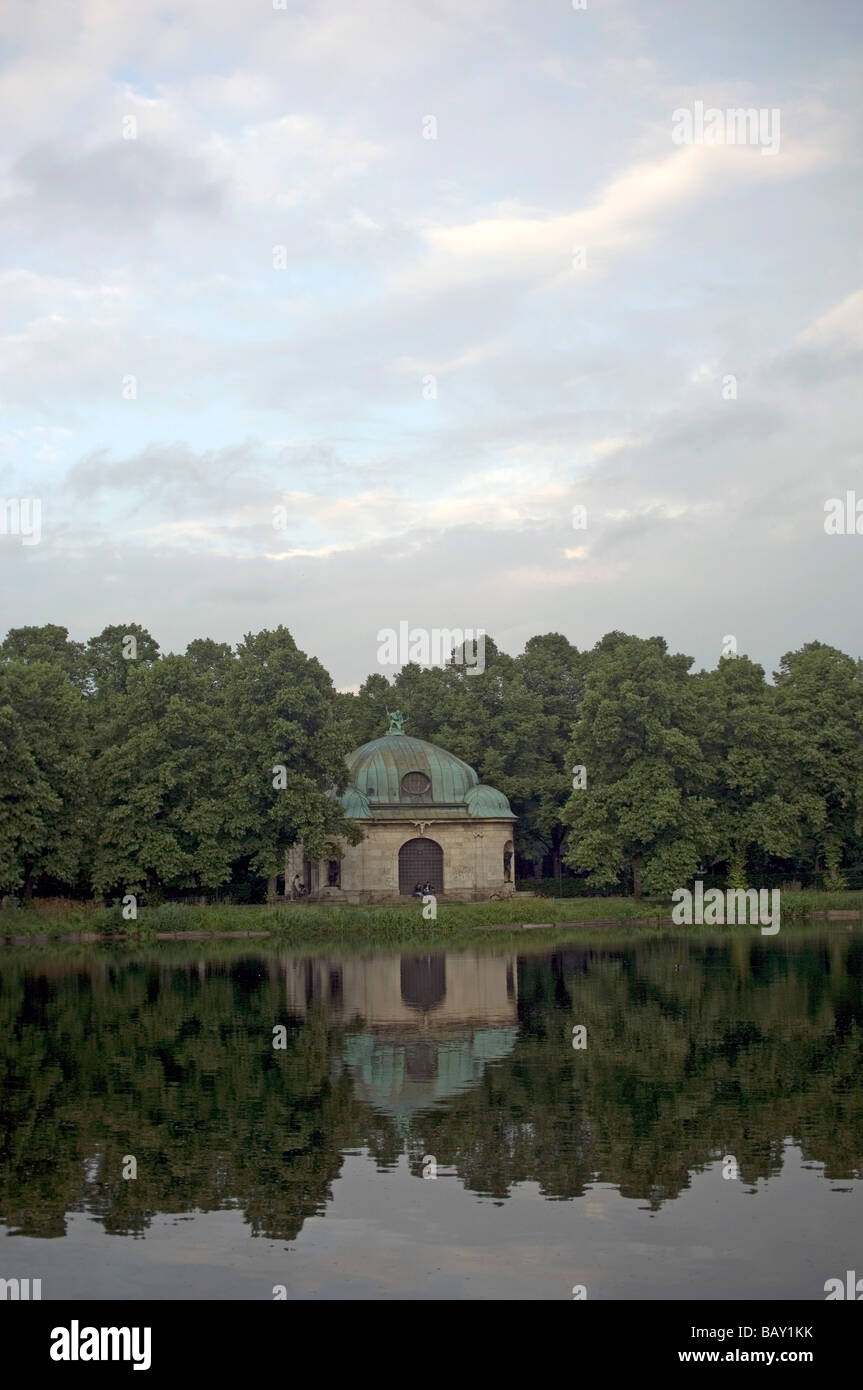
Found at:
[379, 767]
[354, 804]
[401, 777]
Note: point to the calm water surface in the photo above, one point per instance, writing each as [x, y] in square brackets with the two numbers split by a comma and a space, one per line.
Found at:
[428, 1129]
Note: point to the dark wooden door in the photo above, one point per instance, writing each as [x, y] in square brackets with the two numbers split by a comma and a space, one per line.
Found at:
[420, 861]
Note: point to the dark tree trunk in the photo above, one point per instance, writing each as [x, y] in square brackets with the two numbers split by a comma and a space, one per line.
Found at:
[636, 876]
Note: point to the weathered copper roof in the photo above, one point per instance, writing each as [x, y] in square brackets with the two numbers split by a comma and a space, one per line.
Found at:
[376, 789]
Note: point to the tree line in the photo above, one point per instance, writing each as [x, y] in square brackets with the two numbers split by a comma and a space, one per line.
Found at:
[128, 770]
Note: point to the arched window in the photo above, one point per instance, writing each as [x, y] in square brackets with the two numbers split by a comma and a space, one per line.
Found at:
[334, 873]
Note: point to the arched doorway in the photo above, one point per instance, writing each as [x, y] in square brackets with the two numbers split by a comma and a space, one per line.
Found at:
[420, 861]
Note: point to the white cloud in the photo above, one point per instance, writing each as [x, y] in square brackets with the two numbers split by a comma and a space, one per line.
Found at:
[841, 326]
[625, 214]
[406, 257]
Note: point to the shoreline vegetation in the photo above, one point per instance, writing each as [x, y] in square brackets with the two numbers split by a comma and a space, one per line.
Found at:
[458, 924]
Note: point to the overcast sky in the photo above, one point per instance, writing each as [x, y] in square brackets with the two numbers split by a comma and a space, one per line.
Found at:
[438, 374]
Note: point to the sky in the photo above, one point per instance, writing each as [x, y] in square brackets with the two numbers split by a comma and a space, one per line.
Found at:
[330, 315]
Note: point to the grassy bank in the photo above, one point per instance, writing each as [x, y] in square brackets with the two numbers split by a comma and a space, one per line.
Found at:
[312, 924]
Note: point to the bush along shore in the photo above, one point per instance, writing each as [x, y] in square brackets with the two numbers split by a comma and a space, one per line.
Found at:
[319, 925]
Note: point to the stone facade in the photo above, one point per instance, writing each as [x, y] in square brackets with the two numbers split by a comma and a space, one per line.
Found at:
[474, 866]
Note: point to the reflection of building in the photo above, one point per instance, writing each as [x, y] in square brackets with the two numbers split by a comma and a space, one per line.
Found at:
[404, 1075]
[427, 820]
[429, 1024]
[418, 992]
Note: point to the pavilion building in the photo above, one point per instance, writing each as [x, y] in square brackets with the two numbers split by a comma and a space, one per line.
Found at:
[427, 820]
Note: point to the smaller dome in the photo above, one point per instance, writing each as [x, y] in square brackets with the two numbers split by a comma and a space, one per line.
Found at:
[354, 804]
[483, 800]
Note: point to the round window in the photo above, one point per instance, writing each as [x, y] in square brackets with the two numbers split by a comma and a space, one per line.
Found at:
[415, 783]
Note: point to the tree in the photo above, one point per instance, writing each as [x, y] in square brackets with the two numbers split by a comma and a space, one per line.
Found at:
[166, 770]
[42, 775]
[114, 652]
[819, 697]
[366, 711]
[553, 671]
[49, 643]
[210, 659]
[643, 805]
[283, 713]
[757, 801]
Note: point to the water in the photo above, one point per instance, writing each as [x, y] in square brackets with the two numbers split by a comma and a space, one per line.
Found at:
[429, 1130]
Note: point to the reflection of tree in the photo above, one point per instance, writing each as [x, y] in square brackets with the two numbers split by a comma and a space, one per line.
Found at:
[694, 1050]
[175, 1066]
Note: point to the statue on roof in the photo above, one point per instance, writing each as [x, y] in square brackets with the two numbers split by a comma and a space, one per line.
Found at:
[397, 721]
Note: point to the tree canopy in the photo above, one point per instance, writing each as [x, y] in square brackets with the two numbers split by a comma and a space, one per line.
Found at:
[127, 769]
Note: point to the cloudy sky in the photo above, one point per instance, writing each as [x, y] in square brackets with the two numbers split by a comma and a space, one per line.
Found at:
[426, 275]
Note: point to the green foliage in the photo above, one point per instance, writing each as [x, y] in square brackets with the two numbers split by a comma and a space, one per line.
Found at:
[157, 774]
[819, 697]
[322, 925]
[166, 764]
[47, 643]
[645, 802]
[758, 802]
[108, 662]
[43, 774]
[282, 709]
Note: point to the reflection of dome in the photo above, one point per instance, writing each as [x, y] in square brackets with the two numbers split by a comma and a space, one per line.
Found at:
[421, 1060]
[399, 775]
[403, 1074]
